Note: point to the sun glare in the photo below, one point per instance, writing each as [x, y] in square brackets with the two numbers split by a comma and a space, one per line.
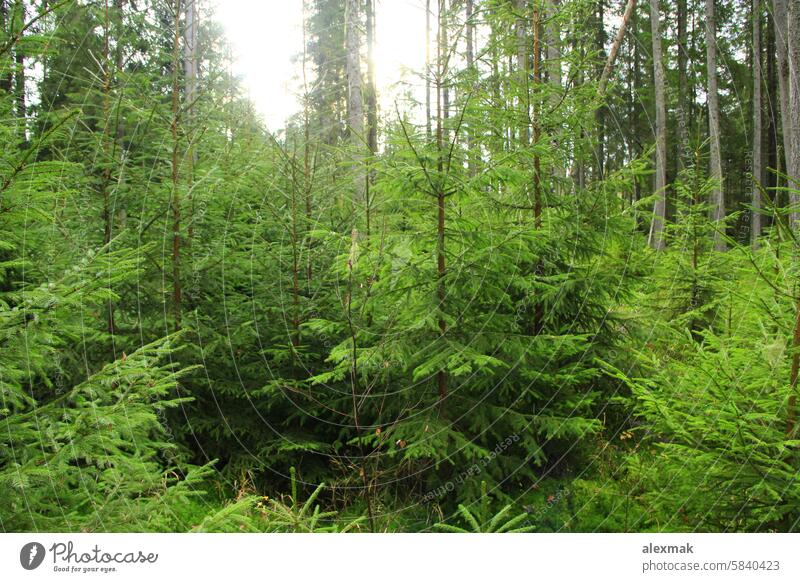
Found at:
[266, 37]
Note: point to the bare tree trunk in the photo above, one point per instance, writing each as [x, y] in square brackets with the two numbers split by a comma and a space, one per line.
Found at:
[757, 170]
[372, 91]
[355, 104]
[19, 74]
[612, 56]
[552, 38]
[190, 80]
[718, 191]
[780, 17]
[793, 171]
[176, 199]
[772, 107]
[441, 266]
[536, 121]
[473, 157]
[428, 123]
[522, 72]
[6, 27]
[792, 140]
[600, 113]
[553, 49]
[538, 310]
[444, 42]
[660, 206]
[683, 88]
[372, 105]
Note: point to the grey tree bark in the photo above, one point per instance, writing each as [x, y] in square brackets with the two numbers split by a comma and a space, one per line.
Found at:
[718, 191]
[780, 16]
[355, 98]
[793, 139]
[428, 125]
[660, 205]
[473, 157]
[758, 167]
[684, 151]
[522, 72]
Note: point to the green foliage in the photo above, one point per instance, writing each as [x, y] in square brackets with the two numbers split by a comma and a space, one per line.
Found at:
[482, 521]
[193, 307]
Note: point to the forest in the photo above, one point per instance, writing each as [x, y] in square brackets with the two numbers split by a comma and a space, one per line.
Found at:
[556, 290]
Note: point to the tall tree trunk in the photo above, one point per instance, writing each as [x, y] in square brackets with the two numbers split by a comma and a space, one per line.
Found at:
[772, 108]
[441, 266]
[684, 155]
[473, 159]
[793, 139]
[522, 72]
[781, 27]
[6, 27]
[444, 43]
[355, 104]
[552, 38]
[718, 191]
[19, 74]
[428, 106]
[635, 82]
[536, 120]
[372, 105]
[758, 134]
[190, 80]
[600, 113]
[176, 198]
[372, 92]
[660, 206]
[552, 34]
[107, 148]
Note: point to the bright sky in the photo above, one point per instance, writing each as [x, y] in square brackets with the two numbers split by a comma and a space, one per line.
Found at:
[267, 34]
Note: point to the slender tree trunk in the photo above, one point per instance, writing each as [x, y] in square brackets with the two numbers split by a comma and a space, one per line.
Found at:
[780, 18]
[635, 83]
[473, 157]
[773, 100]
[176, 199]
[660, 207]
[6, 20]
[428, 107]
[497, 96]
[372, 106]
[536, 120]
[792, 139]
[307, 145]
[441, 266]
[444, 42]
[684, 155]
[355, 104]
[538, 310]
[190, 80]
[600, 113]
[552, 38]
[718, 191]
[19, 75]
[553, 50]
[372, 92]
[612, 56]
[793, 171]
[522, 73]
[107, 147]
[757, 170]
